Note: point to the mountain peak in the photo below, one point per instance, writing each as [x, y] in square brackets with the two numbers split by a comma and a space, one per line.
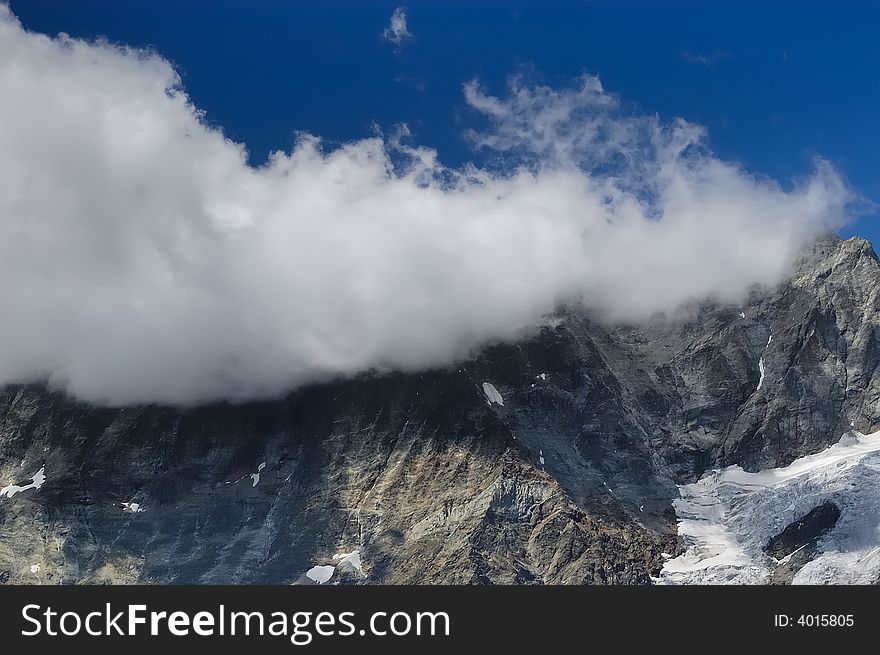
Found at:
[858, 246]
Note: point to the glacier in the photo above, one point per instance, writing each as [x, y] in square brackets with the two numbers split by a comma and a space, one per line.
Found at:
[727, 518]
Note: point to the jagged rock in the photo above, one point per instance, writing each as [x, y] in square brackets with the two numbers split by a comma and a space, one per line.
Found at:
[796, 545]
[804, 531]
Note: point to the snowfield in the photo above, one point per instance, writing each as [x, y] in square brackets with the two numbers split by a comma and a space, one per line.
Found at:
[727, 518]
[36, 482]
[492, 394]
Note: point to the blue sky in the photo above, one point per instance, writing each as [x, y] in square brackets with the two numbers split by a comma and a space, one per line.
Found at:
[775, 83]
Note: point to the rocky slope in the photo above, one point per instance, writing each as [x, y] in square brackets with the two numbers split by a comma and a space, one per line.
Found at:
[553, 460]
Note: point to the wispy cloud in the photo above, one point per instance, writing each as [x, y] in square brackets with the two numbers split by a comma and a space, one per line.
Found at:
[146, 261]
[706, 59]
[397, 31]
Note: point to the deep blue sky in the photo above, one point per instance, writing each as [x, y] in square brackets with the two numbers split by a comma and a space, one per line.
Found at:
[776, 83]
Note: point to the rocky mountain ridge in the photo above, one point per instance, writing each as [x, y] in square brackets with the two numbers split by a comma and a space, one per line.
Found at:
[554, 460]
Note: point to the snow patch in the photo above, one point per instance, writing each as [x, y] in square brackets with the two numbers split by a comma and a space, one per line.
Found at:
[345, 562]
[728, 516]
[541, 456]
[320, 574]
[36, 482]
[788, 557]
[255, 477]
[35, 568]
[350, 560]
[134, 508]
[492, 394]
[761, 369]
[742, 314]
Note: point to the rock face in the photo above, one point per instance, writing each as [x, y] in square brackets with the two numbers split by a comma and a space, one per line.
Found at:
[795, 546]
[805, 531]
[552, 460]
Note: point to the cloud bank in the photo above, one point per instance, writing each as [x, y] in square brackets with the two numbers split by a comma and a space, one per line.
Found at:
[143, 259]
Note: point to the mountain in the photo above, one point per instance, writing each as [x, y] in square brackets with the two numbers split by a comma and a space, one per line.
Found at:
[579, 455]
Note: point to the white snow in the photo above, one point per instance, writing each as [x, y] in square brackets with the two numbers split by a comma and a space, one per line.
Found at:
[35, 568]
[320, 574]
[541, 376]
[134, 508]
[761, 364]
[345, 562]
[36, 482]
[541, 456]
[742, 314]
[256, 476]
[350, 560]
[727, 518]
[785, 559]
[492, 394]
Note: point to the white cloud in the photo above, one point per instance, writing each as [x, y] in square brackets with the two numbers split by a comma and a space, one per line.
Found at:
[706, 59]
[397, 31]
[143, 259]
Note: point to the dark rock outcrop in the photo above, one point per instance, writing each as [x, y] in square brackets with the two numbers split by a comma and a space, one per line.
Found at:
[796, 544]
